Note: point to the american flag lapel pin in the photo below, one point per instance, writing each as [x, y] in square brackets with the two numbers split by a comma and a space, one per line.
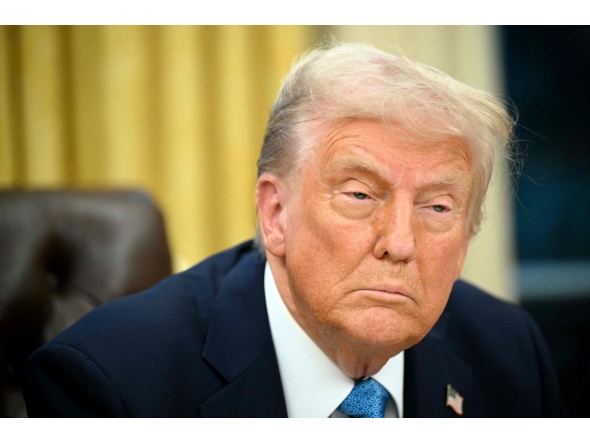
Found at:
[454, 400]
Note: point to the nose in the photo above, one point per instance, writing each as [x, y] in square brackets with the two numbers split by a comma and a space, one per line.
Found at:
[395, 232]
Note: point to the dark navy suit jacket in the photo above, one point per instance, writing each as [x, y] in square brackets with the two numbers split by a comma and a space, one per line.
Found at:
[199, 344]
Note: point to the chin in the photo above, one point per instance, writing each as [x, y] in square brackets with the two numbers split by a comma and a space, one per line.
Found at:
[382, 327]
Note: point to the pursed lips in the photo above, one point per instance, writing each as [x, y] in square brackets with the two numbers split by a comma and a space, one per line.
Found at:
[387, 290]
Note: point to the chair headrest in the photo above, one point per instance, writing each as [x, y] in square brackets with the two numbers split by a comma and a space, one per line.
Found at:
[62, 253]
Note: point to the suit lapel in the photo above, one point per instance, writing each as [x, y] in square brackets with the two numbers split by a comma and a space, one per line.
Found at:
[256, 393]
[429, 367]
[239, 346]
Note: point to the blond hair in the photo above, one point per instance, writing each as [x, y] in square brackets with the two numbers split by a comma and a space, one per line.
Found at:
[336, 81]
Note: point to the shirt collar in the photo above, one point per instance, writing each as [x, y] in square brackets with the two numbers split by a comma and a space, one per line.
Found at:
[312, 384]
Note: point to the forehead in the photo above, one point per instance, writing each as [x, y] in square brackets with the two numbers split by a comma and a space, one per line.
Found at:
[388, 151]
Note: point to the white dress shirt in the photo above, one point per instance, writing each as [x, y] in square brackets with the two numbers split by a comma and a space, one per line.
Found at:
[313, 385]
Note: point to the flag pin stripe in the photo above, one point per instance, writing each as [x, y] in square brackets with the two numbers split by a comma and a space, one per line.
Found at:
[454, 400]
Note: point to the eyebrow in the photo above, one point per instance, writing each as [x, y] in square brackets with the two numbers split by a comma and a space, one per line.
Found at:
[457, 179]
[354, 163]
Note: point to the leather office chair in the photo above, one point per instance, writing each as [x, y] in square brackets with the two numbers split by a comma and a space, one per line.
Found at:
[63, 253]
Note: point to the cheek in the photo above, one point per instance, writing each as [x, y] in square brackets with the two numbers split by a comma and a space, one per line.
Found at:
[323, 251]
[323, 235]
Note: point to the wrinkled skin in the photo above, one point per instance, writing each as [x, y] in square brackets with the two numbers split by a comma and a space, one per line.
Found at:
[366, 241]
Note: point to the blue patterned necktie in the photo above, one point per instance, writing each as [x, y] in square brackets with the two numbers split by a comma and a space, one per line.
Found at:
[367, 399]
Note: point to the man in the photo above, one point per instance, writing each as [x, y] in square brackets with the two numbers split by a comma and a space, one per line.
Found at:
[371, 181]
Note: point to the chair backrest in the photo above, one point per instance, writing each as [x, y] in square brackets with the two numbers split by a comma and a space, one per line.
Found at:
[63, 253]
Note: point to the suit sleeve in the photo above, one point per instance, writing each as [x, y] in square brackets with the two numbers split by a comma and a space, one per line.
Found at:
[62, 381]
[552, 406]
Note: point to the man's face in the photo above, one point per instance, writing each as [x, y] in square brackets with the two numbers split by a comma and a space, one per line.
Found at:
[375, 235]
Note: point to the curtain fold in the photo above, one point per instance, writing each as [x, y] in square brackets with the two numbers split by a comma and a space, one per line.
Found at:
[176, 110]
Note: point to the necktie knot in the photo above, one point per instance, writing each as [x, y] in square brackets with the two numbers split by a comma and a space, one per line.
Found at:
[367, 399]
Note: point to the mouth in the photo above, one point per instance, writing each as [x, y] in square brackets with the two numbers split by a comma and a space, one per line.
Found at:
[386, 292]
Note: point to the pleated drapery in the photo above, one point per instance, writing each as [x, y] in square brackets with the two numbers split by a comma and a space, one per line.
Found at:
[178, 111]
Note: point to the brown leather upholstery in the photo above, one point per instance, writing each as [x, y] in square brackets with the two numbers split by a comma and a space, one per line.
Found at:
[62, 253]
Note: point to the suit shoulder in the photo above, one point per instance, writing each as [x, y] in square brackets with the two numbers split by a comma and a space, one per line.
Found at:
[470, 301]
[187, 294]
[476, 316]
[502, 352]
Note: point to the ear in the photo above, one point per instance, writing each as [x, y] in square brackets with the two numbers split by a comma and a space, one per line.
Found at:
[462, 255]
[270, 202]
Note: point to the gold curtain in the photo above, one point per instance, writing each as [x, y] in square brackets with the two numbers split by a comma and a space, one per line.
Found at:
[178, 111]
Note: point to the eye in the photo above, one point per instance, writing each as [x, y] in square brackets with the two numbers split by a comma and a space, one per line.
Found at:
[439, 208]
[360, 196]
